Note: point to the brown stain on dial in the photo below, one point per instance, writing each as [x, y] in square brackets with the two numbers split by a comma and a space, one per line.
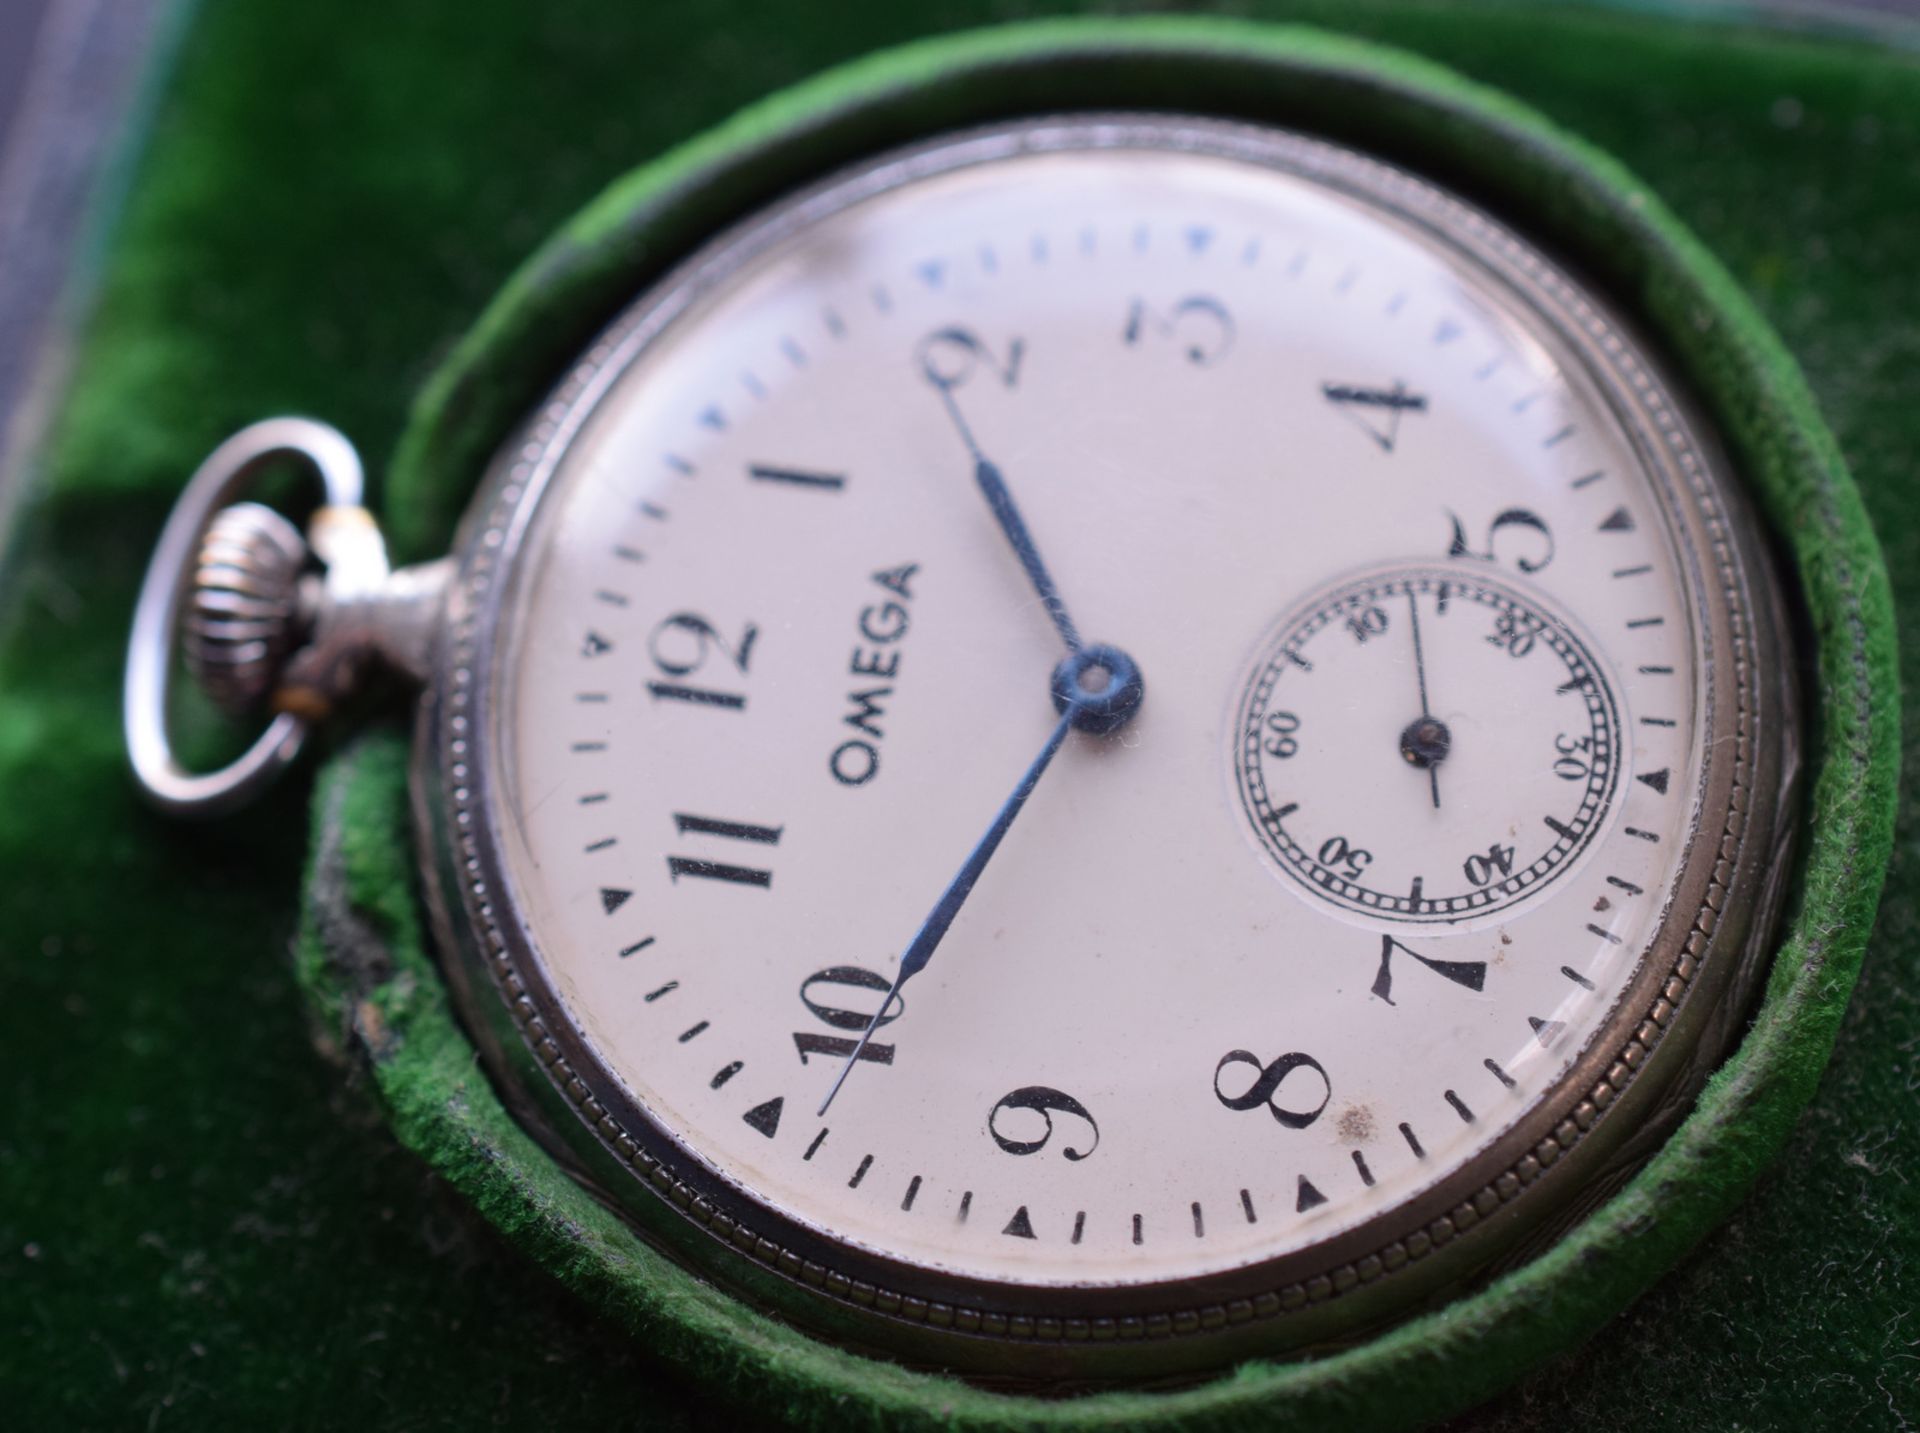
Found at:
[1357, 1124]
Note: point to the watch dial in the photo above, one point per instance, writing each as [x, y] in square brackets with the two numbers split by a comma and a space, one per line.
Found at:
[1375, 858]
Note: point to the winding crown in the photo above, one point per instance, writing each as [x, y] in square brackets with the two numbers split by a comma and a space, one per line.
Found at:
[244, 610]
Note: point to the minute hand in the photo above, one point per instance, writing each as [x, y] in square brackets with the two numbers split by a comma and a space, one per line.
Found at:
[931, 931]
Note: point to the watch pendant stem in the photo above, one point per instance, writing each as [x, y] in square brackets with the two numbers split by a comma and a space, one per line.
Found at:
[266, 619]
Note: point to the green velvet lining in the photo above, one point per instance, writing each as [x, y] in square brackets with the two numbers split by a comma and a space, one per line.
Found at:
[203, 1224]
[1579, 201]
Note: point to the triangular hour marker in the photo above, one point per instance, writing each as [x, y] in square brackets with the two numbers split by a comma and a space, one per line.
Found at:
[612, 900]
[1620, 521]
[1547, 1031]
[1447, 332]
[933, 273]
[1656, 779]
[1310, 1198]
[1198, 238]
[766, 1118]
[1020, 1226]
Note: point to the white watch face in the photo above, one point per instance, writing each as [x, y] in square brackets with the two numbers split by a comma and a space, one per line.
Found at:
[1370, 865]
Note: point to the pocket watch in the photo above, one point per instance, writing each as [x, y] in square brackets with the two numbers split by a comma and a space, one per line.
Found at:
[1093, 747]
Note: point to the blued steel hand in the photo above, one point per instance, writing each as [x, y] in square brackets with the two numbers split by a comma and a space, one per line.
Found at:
[1426, 741]
[1103, 710]
[993, 484]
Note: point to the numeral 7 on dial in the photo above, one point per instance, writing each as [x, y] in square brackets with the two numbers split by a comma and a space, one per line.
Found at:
[1470, 973]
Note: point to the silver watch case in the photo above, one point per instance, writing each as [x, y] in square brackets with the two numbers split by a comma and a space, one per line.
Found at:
[1618, 1103]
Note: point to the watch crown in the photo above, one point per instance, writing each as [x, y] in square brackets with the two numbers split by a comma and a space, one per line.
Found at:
[243, 613]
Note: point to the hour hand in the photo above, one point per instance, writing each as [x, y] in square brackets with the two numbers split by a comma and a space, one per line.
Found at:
[949, 358]
[987, 474]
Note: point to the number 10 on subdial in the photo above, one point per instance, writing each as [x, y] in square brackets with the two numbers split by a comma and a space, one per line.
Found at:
[1427, 745]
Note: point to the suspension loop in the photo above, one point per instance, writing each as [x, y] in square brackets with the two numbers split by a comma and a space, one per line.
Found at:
[151, 653]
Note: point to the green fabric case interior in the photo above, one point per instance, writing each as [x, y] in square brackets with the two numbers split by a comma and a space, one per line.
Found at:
[1577, 201]
[195, 1215]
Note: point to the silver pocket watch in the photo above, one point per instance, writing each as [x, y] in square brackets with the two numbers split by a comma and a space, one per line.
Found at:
[1093, 747]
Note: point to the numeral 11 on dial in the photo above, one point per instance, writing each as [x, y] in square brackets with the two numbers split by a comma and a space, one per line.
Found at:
[710, 870]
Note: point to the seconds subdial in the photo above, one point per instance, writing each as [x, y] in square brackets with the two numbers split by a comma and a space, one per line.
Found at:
[1426, 745]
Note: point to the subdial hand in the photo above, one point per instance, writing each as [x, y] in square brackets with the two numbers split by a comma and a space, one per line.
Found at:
[1096, 689]
[986, 473]
[1425, 741]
